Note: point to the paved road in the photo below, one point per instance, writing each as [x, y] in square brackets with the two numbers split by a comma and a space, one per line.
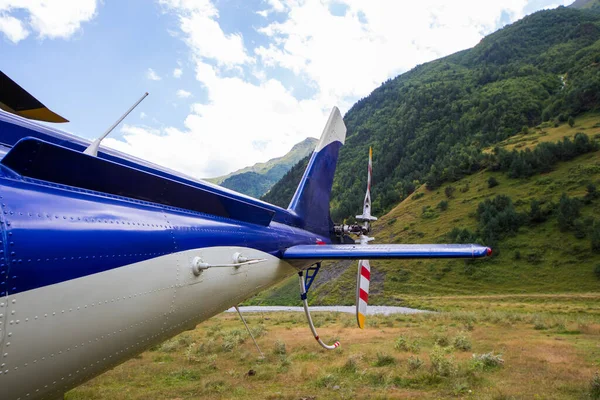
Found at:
[372, 310]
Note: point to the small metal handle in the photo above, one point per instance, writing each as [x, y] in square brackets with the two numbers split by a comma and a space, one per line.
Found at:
[198, 265]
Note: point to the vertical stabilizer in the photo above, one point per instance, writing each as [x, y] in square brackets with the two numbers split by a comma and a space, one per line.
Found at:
[311, 200]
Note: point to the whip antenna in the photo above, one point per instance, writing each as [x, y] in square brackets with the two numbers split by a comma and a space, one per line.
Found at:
[92, 149]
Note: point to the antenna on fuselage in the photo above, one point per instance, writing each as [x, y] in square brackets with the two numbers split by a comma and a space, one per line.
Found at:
[92, 149]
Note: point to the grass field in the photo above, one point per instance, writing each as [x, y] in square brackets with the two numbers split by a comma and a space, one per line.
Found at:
[524, 324]
[525, 348]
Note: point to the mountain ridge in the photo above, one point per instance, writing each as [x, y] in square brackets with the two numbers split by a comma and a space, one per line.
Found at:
[261, 167]
[586, 4]
[257, 179]
[430, 124]
[437, 134]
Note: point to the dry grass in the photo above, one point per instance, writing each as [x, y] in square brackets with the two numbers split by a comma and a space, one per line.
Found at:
[557, 362]
[546, 132]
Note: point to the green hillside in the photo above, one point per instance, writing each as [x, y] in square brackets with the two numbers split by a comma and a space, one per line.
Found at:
[281, 193]
[586, 4]
[430, 124]
[258, 179]
[539, 258]
[442, 131]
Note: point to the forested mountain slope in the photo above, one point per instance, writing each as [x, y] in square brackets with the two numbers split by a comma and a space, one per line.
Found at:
[586, 4]
[440, 133]
[428, 125]
[544, 229]
[258, 179]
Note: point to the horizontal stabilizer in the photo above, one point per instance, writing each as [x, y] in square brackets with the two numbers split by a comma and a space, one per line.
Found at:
[385, 251]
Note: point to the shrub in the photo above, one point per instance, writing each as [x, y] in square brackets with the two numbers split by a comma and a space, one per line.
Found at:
[492, 182]
[384, 360]
[258, 330]
[591, 193]
[536, 214]
[571, 121]
[442, 364]
[462, 342]
[568, 212]
[279, 348]
[579, 228]
[404, 344]
[284, 363]
[525, 163]
[469, 325]
[212, 361]
[442, 205]
[449, 191]
[539, 325]
[458, 235]
[169, 346]
[441, 339]
[417, 196]
[497, 218]
[351, 366]
[401, 343]
[595, 239]
[232, 339]
[460, 388]
[414, 363]
[486, 361]
[327, 381]
[193, 353]
[213, 330]
[428, 212]
[595, 387]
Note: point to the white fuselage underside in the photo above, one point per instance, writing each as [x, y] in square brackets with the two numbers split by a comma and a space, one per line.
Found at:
[62, 335]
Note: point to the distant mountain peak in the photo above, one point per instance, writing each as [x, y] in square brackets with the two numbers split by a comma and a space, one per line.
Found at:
[257, 179]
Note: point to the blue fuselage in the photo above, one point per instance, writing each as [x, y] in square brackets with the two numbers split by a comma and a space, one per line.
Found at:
[53, 233]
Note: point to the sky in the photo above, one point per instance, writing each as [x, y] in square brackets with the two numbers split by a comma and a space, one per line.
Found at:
[231, 82]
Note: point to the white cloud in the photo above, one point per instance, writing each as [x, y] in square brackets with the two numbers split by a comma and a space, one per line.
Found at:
[48, 18]
[249, 115]
[183, 94]
[177, 72]
[230, 131]
[151, 75]
[198, 21]
[14, 29]
[143, 115]
[348, 56]
[276, 5]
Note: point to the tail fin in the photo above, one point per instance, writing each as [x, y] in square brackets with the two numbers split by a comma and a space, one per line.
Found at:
[311, 200]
